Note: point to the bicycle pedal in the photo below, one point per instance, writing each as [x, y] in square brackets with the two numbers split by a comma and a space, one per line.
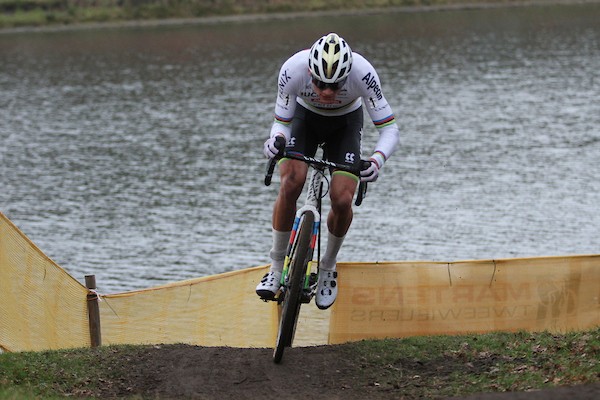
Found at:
[308, 294]
[306, 297]
[280, 296]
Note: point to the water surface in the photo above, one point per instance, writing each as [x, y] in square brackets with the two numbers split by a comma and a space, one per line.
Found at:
[135, 154]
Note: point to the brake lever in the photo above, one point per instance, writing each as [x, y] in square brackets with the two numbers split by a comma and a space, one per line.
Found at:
[280, 145]
[362, 186]
[362, 193]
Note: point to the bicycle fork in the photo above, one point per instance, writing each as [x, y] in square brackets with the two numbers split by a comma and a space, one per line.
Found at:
[310, 278]
[311, 206]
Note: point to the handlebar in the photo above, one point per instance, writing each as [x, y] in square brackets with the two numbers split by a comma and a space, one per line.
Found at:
[362, 187]
[280, 145]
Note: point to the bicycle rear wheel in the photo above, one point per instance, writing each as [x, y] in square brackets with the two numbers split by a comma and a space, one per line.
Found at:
[299, 259]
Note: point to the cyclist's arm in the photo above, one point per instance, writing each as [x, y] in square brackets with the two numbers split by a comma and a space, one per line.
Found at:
[389, 137]
[384, 120]
[289, 78]
[284, 113]
[369, 88]
[281, 126]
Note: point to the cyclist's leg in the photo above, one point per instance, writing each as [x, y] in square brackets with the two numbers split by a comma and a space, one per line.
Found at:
[338, 223]
[293, 172]
[293, 175]
[343, 187]
[342, 146]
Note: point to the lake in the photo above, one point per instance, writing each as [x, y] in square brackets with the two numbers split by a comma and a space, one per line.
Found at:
[135, 153]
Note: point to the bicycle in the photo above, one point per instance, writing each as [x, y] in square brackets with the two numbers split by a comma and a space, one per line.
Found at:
[298, 281]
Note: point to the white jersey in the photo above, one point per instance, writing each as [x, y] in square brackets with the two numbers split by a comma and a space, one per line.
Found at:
[361, 86]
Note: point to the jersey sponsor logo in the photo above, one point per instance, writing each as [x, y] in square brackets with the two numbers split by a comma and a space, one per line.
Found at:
[371, 83]
[375, 106]
[308, 94]
[372, 102]
[285, 99]
[284, 78]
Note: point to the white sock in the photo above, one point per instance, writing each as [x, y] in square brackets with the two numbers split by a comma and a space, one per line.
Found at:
[277, 254]
[328, 260]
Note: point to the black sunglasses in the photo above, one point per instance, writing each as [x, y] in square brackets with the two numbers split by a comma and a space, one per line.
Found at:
[333, 86]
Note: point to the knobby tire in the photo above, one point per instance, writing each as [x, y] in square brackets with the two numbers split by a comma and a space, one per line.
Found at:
[300, 258]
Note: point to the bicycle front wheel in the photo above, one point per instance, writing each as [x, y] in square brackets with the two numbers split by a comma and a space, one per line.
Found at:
[299, 259]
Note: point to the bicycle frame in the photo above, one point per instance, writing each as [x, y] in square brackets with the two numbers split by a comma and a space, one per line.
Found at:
[297, 287]
[312, 205]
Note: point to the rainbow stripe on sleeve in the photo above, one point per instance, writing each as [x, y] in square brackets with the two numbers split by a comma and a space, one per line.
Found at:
[389, 120]
[281, 120]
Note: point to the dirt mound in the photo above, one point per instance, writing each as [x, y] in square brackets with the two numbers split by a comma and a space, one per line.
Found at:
[328, 372]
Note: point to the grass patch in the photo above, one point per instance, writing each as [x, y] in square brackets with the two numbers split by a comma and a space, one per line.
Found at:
[429, 367]
[20, 13]
[498, 362]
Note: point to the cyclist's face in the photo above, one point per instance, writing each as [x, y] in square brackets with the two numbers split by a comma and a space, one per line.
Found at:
[326, 95]
[326, 92]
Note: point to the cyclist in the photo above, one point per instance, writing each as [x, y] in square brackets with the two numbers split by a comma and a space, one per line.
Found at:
[320, 100]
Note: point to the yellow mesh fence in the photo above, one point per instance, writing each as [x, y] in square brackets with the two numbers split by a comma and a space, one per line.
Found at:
[220, 310]
[423, 298]
[43, 307]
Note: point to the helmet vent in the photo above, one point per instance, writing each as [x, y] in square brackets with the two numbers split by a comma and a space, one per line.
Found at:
[334, 68]
[330, 59]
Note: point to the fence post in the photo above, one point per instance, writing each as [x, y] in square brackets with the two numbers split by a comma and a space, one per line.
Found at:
[93, 310]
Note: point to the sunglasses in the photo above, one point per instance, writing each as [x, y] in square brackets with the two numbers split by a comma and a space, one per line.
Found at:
[323, 85]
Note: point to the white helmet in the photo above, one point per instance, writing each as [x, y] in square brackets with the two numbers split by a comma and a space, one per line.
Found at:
[330, 59]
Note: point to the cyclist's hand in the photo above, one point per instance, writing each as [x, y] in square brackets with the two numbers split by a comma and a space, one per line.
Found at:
[274, 146]
[371, 172]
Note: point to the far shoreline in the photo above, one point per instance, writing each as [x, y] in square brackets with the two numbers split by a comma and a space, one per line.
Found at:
[289, 15]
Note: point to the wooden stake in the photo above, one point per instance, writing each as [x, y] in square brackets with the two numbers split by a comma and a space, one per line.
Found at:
[93, 311]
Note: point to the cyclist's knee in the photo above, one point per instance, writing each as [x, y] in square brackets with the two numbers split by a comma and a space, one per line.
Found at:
[341, 200]
[292, 179]
[290, 190]
[342, 193]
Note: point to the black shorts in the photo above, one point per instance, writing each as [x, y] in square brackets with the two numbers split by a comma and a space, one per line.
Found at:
[340, 136]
